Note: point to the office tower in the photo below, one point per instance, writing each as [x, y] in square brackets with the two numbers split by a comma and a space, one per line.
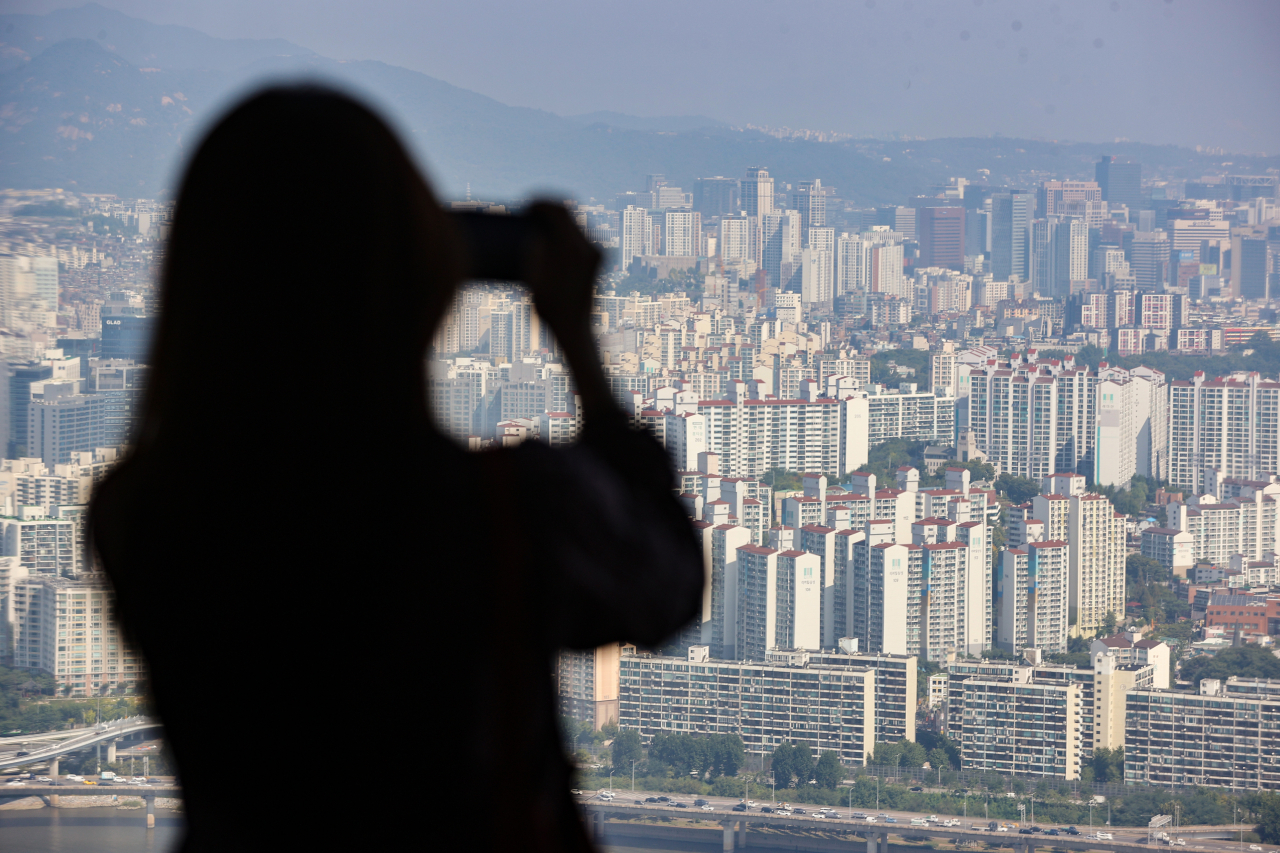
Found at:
[899, 219]
[45, 271]
[734, 240]
[1070, 255]
[1149, 260]
[120, 384]
[941, 235]
[716, 196]
[810, 200]
[1226, 424]
[635, 235]
[1033, 597]
[1058, 198]
[61, 421]
[976, 232]
[1010, 234]
[681, 233]
[780, 246]
[20, 379]
[1251, 269]
[1120, 183]
[757, 192]
[1042, 247]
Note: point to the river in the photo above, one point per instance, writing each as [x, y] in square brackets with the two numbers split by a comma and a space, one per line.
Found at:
[109, 830]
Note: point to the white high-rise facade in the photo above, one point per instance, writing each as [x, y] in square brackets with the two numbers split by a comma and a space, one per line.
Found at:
[1230, 424]
[734, 242]
[682, 233]
[1034, 597]
[635, 235]
[780, 245]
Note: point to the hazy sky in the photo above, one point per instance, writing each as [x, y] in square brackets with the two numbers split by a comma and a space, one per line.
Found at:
[1163, 71]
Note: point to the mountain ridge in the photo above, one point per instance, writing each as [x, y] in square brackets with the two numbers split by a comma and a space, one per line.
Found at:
[81, 116]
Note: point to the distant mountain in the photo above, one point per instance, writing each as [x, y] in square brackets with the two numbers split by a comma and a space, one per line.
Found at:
[118, 110]
[137, 42]
[653, 124]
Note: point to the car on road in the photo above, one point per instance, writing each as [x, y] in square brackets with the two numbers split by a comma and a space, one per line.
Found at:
[700, 802]
[88, 781]
[20, 753]
[652, 800]
[820, 814]
[992, 826]
[575, 792]
[1025, 831]
[71, 777]
[783, 812]
[751, 804]
[708, 808]
[44, 779]
[740, 807]
[1053, 832]
[891, 820]
[933, 818]
[917, 790]
[664, 799]
[1071, 830]
[918, 821]
[798, 811]
[1254, 847]
[16, 783]
[680, 805]
[766, 809]
[1106, 836]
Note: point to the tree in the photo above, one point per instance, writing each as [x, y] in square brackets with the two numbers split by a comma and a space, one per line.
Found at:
[625, 749]
[782, 480]
[780, 765]
[1108, 764]
[977, 468]
[729, 754]
[1017, 489]
[1244, 661]
[1144, 570]
[938, 758]
[829, 773]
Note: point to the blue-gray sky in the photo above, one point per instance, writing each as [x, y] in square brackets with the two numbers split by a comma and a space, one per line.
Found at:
[1188, 72]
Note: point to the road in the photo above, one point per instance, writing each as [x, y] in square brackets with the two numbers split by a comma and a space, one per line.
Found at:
[722, 806]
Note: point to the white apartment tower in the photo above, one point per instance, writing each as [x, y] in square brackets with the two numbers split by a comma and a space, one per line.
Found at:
[635, 235]
[1229, 424]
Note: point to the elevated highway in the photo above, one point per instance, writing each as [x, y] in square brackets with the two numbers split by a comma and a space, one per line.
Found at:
[42, 748]
[876, 834]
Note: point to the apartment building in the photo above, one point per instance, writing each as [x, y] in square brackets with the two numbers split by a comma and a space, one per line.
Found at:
[779, 601]
[1034, 418]
[1132, 424]
[1230, 423]
[1016, 724]
[1033, 597]
[587, 684]
[1248, 524]
[783, 698]
[1226, 735]
[895, 711]
[66, 628]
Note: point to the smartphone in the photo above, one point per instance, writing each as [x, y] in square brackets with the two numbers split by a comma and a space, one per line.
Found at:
[494, 244]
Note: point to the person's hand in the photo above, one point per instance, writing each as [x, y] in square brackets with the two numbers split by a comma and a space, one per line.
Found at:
[560, 269]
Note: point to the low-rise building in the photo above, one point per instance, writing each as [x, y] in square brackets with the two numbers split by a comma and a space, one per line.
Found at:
[1226, 734]
[786, 698]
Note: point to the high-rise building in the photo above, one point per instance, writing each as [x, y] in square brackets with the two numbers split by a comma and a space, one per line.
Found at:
[682, 233]
[1120, 183]
[1149, 260]
[780, 245]
[1056, 198]
[66, 628]
[1251, 267]
[811, 201]
[1132, 416]
[1033, 597]
[1070, 256]
[870, 262]
[757, 192]
[635, 235]
[1229, 424]
[716, 196]
[1017, 725]
[734, 240]
[1010, 235]
[941, 235]
[587, 684]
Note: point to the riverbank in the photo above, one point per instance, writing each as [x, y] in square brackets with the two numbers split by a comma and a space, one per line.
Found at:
[124, 803]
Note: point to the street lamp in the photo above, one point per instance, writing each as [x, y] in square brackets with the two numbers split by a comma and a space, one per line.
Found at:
[633, 774]
[1022, 812]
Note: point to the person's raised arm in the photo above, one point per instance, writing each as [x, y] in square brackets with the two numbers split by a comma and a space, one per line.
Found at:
[561, 270]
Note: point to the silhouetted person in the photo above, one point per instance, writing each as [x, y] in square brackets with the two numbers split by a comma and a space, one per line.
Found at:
[349, 621]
